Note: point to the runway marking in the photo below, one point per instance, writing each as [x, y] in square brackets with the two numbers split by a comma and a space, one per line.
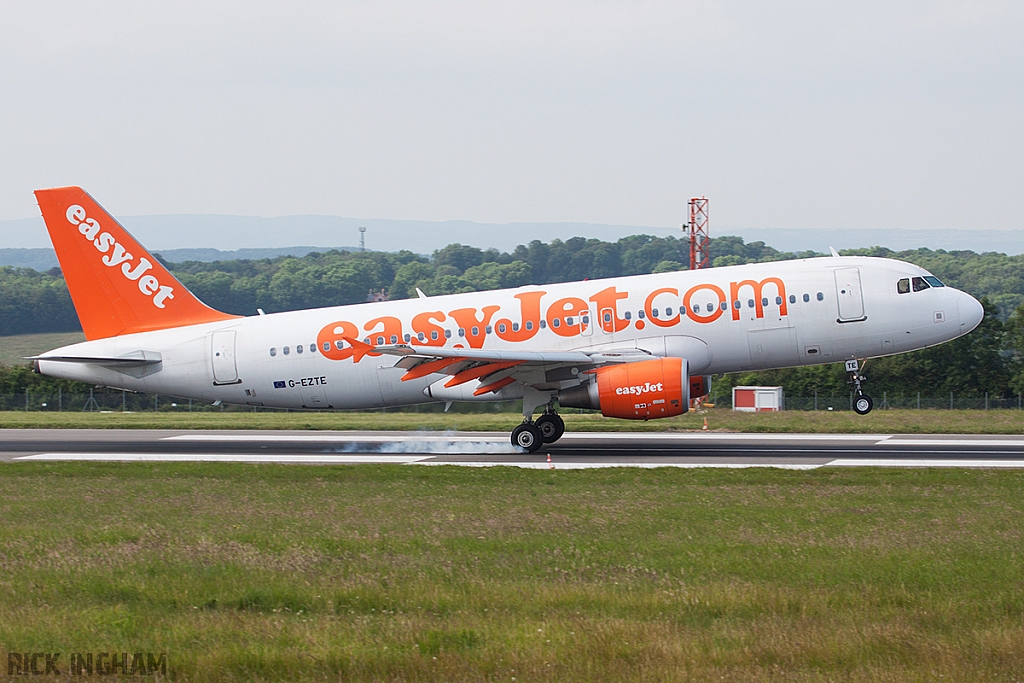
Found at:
[1009, 443]
[348, 459]
[333, 438]
[601, 465]
[844, 462]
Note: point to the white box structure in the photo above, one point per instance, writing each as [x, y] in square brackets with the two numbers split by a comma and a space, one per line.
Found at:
[757, 399]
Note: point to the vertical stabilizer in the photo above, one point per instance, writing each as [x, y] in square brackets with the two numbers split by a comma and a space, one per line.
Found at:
[116, 285]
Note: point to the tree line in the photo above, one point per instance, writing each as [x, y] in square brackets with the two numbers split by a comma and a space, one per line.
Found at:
[991, 359]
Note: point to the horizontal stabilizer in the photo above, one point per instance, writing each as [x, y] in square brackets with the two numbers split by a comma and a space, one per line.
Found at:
[135, 358]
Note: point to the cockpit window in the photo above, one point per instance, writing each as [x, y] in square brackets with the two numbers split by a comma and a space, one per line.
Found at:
[903, 286]
[933, 281]
[920, 284]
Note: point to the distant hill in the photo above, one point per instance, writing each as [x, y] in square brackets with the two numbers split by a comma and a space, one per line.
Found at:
[168, 233]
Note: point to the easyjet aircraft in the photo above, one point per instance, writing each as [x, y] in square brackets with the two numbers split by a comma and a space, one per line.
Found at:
[637, 347]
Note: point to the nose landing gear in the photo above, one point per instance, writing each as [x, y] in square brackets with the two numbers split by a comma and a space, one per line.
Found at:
[862, 403]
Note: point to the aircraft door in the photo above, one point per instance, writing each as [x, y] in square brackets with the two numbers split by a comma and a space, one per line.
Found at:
[849, 295]
[222, 357]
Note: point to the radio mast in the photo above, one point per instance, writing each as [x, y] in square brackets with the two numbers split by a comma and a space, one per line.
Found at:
[698, 228]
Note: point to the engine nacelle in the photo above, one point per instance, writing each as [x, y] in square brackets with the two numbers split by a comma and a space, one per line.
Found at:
[634, 391]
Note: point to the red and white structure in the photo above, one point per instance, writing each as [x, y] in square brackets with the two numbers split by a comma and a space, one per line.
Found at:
[757, 399]
[699, 239]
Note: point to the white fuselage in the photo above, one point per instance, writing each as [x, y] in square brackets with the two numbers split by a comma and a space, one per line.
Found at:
[807, 312]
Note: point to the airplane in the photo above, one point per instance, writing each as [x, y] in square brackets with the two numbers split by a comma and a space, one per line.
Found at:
[637, 348]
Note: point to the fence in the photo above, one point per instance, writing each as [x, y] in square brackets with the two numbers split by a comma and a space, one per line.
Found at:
[112, 400]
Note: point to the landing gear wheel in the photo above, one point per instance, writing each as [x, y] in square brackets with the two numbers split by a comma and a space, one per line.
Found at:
[862, 404]
[528, 437]
[551, 427]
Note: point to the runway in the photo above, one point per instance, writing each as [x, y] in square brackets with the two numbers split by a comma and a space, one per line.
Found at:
[484, 449]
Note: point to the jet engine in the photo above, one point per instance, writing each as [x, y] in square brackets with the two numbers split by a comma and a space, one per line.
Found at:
[634, 391]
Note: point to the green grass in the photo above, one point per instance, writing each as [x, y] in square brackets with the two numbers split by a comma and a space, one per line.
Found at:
[877, 422]
[14, 349]
[270, 572]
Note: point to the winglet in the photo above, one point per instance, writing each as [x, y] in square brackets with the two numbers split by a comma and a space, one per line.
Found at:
[116, 285]
[833, 250]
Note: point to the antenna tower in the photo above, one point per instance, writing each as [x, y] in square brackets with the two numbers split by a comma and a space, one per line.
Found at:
[699, 239]
[362, 239]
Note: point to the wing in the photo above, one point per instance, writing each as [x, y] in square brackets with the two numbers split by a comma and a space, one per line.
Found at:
[496, 369]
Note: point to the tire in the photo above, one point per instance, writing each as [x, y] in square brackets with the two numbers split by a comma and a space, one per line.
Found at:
[528, 437]
[551, 427]
[862, 404]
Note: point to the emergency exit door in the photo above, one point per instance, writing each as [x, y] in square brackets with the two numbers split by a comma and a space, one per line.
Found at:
[222, 356]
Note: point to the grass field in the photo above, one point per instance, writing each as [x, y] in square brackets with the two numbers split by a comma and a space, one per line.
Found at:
[877, 422]
[14, 349]
[392, 573]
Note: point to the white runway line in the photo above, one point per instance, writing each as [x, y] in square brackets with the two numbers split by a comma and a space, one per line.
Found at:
[334, 437]
[601, 465]
[896, 462]
[341, 459]
[966, 441]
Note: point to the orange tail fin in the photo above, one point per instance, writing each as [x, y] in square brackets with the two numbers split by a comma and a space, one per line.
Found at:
[116, 285]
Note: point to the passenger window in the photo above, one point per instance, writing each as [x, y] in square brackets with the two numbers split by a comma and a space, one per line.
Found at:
[654, 312]
[556, 323]
[285, 350]
[273, 351]
[933, 281]
[640, 315]
[821, 297]
[792, 298]
[501, 328]
[529, 325]
[380, 341]
[476, 331]
[340, 344]
[543, 325]
[394, 339]
[778, 301]
[764, 301]
[711, 307]
[724, 306]
[920, 284]
[568, 320]
[462, 332]
[607, 318]
[298, 348]
[807, 297]
[629, 314]
[408, 339]
[515, 327]
[312, 348]
[668, 312]
[696, 308]
[421, 336]
[750, 303]
[487, 329]
[737, 305]
[433, 335]
[327, 347]
[903, 286]
[447, 334]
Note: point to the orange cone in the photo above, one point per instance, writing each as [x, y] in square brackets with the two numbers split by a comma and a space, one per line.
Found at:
[705, 427]
[551, 465]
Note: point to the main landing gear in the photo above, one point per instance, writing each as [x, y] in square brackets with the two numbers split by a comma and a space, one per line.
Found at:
[530, 436]
[548, 428]
[862, 403]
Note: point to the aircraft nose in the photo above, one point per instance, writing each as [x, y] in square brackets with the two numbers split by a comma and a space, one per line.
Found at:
[971, 312]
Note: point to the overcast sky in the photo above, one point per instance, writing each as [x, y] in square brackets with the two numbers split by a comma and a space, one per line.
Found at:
[785, 114]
